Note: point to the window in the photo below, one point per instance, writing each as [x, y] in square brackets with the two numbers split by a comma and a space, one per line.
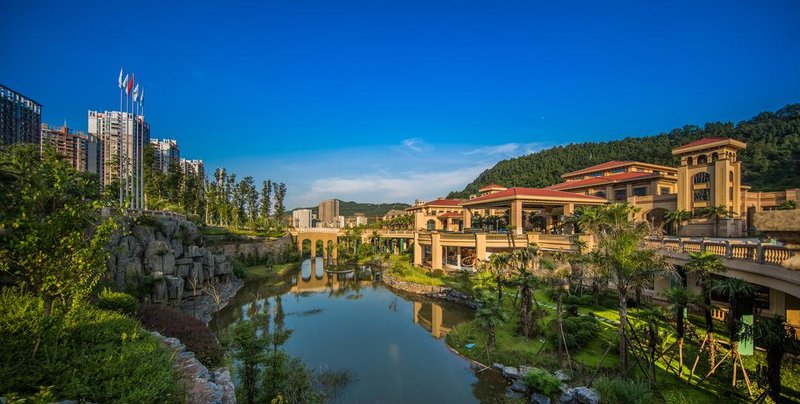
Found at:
[640, 191]
[620, 194]
[730, 193]
[596, 174]
[702, 159]
[702, 195]
[665, 191]
[714, 156]
[689, 161]
[618, 170]
[600, 194]
[730, 177]
[431, 225]
[701, 178]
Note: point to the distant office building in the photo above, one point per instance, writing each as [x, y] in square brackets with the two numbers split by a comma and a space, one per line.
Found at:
[361, 219]
[193, 167]
[166, 153]
[82, 151]
[20, 118]
[329, 212]
[340, 222]
[122, 138]
[301, 218]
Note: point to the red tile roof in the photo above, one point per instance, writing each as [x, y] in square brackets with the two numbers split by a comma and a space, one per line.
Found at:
[608, 179]
[700, 142]
[605, 166]
[444, 202]
[536, 193]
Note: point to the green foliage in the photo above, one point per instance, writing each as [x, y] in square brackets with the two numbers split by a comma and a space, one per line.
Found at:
[617, 390]
[541, 381]
[769, 161]
[51, 240]
[117, 301]
[578, 331]
[192, 332]
[91, 354]
[350, 208]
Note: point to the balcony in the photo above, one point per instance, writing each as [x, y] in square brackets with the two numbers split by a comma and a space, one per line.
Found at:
[758, 253]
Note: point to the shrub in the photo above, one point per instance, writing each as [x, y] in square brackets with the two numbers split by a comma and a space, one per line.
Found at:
[571, 310]
[616, 390]
[89, 355]
[541, 381]
[192, 332]
[117, 301]
[578, 331]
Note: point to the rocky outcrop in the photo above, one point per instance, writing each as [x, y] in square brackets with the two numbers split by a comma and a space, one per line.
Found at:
[276, 251]
[435, 292]
[165, 260]
[202, 384]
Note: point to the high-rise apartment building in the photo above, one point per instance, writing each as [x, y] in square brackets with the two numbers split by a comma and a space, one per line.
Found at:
[166, 152]
[82, 151]
[124, 137]
[301, 218]
[20, 118]
[329, 212]
[193, 167]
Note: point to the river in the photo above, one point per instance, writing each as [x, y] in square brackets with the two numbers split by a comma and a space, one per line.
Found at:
[393, 344]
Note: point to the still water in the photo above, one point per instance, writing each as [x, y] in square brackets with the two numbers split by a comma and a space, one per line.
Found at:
[392, 344]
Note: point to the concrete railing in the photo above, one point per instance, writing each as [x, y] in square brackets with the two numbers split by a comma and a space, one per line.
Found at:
[326, 230]
[155, 213]
[760, 253]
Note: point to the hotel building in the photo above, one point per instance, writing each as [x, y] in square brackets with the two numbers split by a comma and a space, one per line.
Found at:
[83, 152]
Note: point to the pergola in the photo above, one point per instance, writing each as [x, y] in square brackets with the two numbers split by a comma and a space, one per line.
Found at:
[518, 199]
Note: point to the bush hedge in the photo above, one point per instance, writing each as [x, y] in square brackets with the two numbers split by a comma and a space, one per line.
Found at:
[541, 381]
[192, 332]
[89, 354]
[578, 331]
[117, 301]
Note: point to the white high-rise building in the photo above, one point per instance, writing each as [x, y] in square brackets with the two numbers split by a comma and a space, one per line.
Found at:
[301, 218]
[166, 152]
[193, 167]
[124, 137]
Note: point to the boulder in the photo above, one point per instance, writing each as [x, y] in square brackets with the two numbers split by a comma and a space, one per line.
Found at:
[580, 395]
[537, 398]
[155, 263]
[193, 251]
[177, 247]
[174, 287]
[168, 264]
[510, 372]
[562, 376]
[519, 387]
[143, 234]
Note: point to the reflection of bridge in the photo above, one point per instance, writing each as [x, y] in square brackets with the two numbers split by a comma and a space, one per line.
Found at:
[393, 240]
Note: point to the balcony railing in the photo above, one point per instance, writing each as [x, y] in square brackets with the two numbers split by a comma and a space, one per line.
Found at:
[767, 254]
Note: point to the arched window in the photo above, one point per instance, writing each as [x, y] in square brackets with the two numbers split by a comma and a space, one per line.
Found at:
[730, 177]
[431, 225]
[701, 178]
[702, 159]
[689, 161]
[714, 156]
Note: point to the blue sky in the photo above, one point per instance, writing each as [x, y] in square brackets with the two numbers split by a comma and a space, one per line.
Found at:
[383, 100]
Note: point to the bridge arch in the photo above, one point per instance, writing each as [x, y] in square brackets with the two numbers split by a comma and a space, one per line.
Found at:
[323, 244]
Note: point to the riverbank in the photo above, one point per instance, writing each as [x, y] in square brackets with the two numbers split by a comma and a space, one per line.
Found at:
[430, 291]
[210, 301]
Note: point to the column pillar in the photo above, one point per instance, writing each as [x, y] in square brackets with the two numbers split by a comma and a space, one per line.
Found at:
[436, 320]
[516, 216]
[467, 218]
[417, 250]
[436, 251]
[458, 257]
[417, 308]
[480, 247]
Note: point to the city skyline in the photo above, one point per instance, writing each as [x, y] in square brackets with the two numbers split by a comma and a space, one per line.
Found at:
[425, 104]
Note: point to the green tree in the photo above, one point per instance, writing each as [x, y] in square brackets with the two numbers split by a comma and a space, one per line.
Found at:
[677, 218]
[679, 299]
[777, 337]
[525, 281]
[51, 240]
[706, 266]
[266, 201]
[490, 315]
[280, 195]
[739, 294]
[715, 213]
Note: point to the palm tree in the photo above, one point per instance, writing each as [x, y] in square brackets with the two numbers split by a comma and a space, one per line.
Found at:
[677, 218]
[716, 212]
[652, 319]
[739, 293]
[705, 264]
[490, 314]
[623, 257]
[556, 272]
[680, 298]
[526, 282]
[498, 263]
[776, 336]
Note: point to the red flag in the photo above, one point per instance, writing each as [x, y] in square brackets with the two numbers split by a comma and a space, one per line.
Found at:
[130, 86]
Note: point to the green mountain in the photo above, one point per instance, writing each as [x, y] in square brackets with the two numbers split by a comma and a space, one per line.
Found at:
[350, 208]
[771, 160]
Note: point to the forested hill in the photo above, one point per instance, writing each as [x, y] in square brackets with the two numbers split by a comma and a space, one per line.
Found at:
[350, 208]
[771, 160]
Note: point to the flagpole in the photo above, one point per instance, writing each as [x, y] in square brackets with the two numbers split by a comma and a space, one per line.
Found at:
[119, 146]
[141, 153]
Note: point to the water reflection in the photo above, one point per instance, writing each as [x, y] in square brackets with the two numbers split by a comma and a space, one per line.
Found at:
[392, 343]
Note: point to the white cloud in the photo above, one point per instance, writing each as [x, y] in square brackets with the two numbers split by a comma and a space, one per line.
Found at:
[405, 187]
[507, 148]
[413, 144]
